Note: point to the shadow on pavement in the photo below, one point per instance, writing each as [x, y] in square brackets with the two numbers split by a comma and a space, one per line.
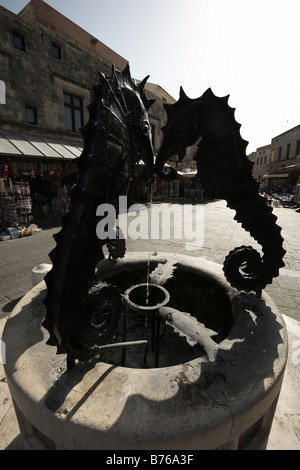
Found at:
[16, 444]
[8, 308]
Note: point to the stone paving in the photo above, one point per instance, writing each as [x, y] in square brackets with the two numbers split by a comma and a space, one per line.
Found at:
[221, 234]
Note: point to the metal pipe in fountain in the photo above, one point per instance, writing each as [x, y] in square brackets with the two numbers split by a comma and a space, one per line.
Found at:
[145, 298]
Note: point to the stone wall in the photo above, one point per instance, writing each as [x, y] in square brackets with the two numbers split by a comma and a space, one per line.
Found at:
[289, 143]
[37, 10]
[36, 78]
[261, 159]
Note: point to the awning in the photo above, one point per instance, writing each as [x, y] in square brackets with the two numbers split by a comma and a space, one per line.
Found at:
[279, 175]
[187, 174]
[20, 144]
[293, 167]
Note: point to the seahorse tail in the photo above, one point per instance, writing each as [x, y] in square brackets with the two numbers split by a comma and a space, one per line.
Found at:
[241, 267]
[244, 267]
[74, 259]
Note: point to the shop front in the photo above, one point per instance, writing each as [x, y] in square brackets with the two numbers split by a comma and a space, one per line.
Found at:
[275, 182]
[36, 176]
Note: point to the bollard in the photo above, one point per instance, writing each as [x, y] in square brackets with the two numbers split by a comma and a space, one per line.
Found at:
[39, 272]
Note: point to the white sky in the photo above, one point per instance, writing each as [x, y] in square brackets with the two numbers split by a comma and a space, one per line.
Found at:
[247, 49]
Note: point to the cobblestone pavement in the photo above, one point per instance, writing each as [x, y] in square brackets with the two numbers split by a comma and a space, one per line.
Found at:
[221, 234]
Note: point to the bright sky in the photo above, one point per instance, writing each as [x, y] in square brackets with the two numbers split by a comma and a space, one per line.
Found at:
[248, 49]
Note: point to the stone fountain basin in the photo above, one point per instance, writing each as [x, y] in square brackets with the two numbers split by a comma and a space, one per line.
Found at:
[194, 404]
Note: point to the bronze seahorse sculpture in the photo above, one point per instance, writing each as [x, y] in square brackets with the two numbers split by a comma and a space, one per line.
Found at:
[225, 173]
[118, 135]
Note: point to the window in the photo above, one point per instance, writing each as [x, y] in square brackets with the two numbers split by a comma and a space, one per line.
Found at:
[19, 41]
[31, 115]
[73, 112]
[2, 92]
[279, 153]
[272, 155]
[288, 150]
[265, 159]
[56, 51]
[298, 148]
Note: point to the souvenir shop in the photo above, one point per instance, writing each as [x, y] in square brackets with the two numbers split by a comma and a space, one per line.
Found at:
[33, 189]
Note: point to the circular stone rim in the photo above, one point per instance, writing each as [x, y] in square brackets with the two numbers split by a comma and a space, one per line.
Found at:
[146, 308]
[193, 405]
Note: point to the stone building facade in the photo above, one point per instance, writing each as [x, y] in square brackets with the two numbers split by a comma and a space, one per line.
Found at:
[261, 159]
[44, 57]
[284, 167]
[48, 67]
[285, 152]
[277, 165]
[41, 61]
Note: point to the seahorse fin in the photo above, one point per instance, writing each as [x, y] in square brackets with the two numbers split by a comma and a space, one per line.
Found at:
[183, 95]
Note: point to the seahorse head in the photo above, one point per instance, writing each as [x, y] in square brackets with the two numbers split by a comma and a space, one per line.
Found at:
[209, 121]
[118, 133]
[182, 130]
